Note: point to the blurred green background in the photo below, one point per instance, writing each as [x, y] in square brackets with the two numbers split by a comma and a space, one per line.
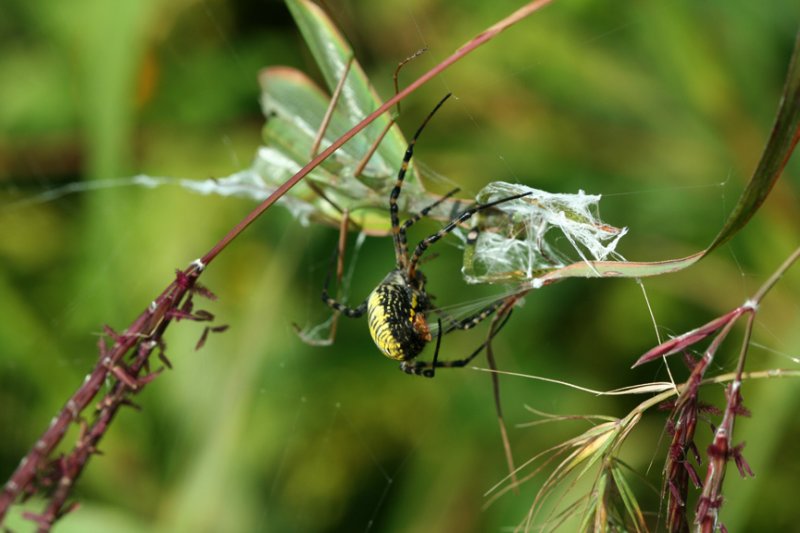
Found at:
[661, 107]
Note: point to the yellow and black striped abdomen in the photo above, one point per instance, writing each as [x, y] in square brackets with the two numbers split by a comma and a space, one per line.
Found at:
[396, 318]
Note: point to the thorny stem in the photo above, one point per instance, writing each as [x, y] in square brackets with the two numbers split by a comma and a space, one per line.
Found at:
[722, 449]
[88, 442]
[147, 330]
[678, 469]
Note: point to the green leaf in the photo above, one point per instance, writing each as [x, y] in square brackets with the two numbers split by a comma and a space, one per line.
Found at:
[358, 98]
[776, 154]
[295, 108]
[781, 144]
[616, 269]
[629, 500]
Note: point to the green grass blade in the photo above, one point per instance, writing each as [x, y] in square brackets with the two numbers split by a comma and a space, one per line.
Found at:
[780, 146]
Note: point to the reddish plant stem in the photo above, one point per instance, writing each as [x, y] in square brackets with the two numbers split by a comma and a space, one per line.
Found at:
[677, 468]
[88, 443]
[153, 319]
[722, 449]
[719, 452]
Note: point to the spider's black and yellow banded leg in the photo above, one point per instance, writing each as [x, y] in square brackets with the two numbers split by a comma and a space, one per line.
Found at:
[337, 264]
[425, 369]
[410, 222]
[432, 370]
[352, 312]
[453, 224]
[400, 249]
[473, 320]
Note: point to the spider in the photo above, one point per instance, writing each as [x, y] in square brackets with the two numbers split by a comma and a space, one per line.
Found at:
[396, 309]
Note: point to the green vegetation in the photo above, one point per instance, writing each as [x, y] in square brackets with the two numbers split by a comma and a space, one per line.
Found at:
[664, 109]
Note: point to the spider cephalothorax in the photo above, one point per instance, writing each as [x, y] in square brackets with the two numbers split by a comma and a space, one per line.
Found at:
[397, 307]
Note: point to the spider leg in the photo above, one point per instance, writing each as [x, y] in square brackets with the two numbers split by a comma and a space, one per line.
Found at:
[458, 363]
[473, 320]
[337, 264]
[453, 224]
[352, 312]
[410, 222]
[429, 373]
[400, 250]
[421, 368]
